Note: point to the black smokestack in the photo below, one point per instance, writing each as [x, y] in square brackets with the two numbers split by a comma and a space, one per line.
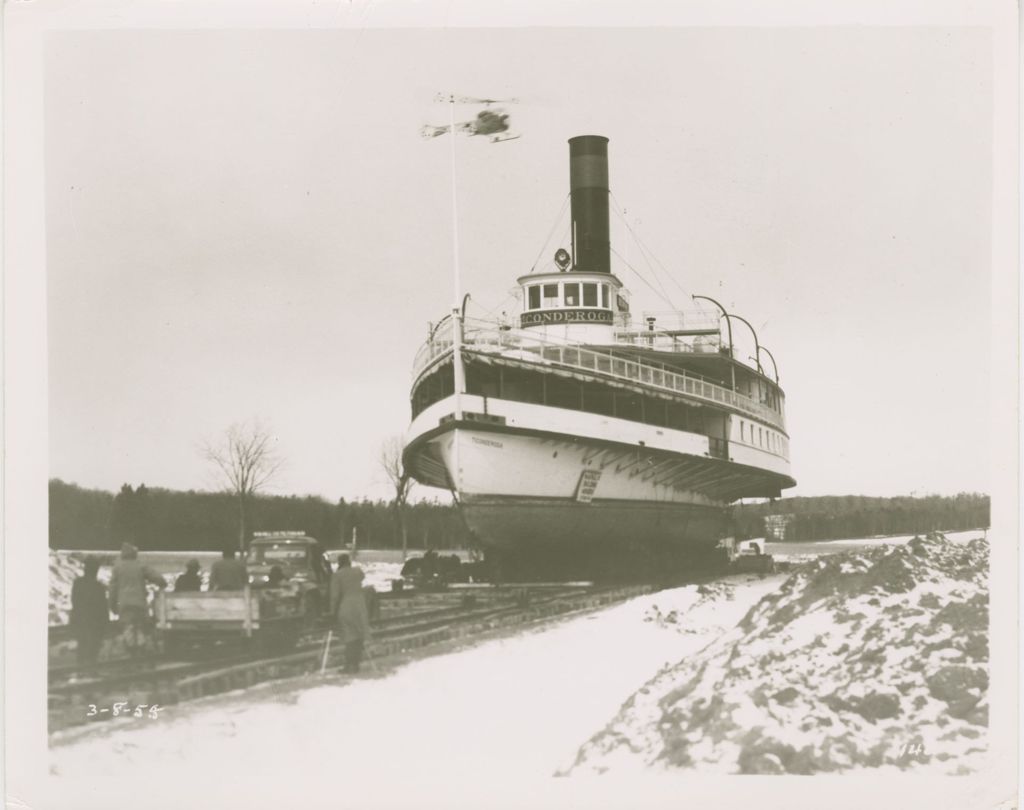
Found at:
[588, 194]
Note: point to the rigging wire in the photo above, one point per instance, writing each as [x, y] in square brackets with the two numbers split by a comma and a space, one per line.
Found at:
[489, 312]
[645, 250]
[547, 240]
[643, 279]
[654, 272]
[558, 221]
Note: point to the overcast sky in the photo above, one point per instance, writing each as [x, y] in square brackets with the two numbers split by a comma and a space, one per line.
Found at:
[247, 225]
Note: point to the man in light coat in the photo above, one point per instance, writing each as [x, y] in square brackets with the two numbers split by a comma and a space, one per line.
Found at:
[348, 606]
[129, 597]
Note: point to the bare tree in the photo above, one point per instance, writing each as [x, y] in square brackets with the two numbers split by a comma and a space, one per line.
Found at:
[398, 477]
[247, 462]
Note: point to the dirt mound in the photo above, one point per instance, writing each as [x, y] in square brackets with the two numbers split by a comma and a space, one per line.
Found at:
[874, 658]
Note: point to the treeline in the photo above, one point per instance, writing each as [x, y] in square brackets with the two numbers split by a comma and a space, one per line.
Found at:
[170, 520]
[838, 517]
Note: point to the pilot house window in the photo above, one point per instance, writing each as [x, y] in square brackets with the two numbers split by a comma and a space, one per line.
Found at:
[590, 295]
[572, 295]
[534, 298]
[550, 295]
[604, 296]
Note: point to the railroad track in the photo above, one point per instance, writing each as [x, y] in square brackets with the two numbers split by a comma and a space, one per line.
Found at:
[417, 616]
[167, 682]
[125, 667]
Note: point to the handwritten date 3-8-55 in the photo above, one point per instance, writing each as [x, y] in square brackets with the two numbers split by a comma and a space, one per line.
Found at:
[124, 709]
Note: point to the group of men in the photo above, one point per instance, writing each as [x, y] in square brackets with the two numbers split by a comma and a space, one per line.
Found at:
[128, 598]
[91, 607]
[226, 574]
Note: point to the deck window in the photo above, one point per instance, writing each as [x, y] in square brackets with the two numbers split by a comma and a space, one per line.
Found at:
[562, 392]
[434, 387]
[678, 416]
[534, 297]
[482, 380]
[598, 399]
[550, 296]
[572, 295]
[522, 386]
[590, 295]
[629, 406]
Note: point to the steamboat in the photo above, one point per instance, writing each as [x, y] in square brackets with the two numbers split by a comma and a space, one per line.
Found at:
[577, 442]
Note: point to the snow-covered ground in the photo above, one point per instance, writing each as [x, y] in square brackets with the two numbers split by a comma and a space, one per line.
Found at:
[518, 705]
[810, 550]
[875, 658]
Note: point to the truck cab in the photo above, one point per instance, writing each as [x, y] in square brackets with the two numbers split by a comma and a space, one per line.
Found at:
[302, 562]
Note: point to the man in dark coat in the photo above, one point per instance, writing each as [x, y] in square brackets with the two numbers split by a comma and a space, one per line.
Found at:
[89, 614]
[190, 580]
[348, 606]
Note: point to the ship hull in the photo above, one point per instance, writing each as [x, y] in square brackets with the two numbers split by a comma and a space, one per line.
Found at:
[534, 524]
[530, 538]
[561, 506]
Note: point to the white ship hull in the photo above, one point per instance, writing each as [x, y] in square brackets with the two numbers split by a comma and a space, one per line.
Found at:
[526, 485]
[522, 466]
[556, 501]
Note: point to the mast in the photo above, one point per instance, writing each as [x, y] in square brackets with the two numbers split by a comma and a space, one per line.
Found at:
[458, 369]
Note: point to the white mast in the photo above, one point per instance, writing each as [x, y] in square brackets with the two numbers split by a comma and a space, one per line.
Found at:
[458, 369]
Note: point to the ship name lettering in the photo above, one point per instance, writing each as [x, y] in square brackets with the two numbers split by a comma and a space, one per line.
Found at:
[488, 442]
[557, 316]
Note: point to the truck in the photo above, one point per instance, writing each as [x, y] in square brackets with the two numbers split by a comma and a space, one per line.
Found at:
[303, 563]
[749, 558]
[271, 611]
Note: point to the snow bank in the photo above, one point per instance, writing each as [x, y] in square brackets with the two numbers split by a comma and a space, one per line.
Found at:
[64, 568]
[380, 574]
[872, 658]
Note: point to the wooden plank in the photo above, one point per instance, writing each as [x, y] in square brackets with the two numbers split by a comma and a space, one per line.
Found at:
[201, 607]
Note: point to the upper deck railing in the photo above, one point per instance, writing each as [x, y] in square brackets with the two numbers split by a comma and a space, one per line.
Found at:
[486, 338]
[665, 342]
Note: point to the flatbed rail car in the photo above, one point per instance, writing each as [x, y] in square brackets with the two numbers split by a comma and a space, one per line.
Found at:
[261, 617]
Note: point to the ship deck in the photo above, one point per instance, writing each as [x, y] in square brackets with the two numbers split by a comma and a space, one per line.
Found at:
[640, 366]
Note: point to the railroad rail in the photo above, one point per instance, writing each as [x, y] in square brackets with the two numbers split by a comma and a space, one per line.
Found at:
[164, 681]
